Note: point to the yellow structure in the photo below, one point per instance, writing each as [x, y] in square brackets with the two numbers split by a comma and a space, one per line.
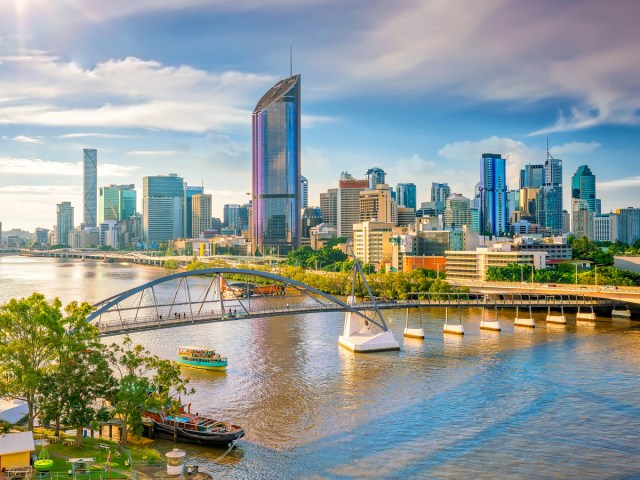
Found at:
[16, 449]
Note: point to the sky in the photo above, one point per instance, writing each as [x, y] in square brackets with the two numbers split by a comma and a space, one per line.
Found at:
[419, 88]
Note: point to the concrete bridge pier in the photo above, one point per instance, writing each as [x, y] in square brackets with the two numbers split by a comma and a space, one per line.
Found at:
[524, 322]
[553, 318]
[456, 329]
[490, 324]
[357, 335]
[589, 316]
[413, 332]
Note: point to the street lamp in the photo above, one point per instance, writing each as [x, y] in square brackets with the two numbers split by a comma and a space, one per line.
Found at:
[595, 271]
[576, 265]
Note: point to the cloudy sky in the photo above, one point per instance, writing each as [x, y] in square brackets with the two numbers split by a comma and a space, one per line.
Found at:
[420, 88]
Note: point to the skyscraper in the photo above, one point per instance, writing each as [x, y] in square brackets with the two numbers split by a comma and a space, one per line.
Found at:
[440, 192]
[375, 176]
[276, 169]
[549, 200]
[90, 173]
[583, 186]
[162, 207]
[189, 192]
[348, 203]
[493, 194]
[116, 202]
[457, 211]
[304, 191]
[200, 213]
[64, 222]
[532, 176]
[406, 195]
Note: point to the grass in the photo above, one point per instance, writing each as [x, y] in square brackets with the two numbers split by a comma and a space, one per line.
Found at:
[119, 460]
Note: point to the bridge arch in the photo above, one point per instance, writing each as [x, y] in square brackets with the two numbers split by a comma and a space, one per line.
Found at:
[112, 303]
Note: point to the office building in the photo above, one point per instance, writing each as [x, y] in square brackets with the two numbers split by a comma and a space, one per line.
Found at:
[549, 199]
[371, 241]
[329, 206]
[406, 216]
[583, 186]
[378, 205]
[582, 218]
[532, 176]
[440, 192]
[88, 237]
[89, 191]
[189, 192]
[304, 191]
[41, 235]
[474, 264]
[116, 202]
[64, 222]
[605, 227]
[201, 204]
[628, 225]
[375, 176]
[457, 211]
[276, 169]
[311, 217]
[108, 234]
[347, 204]
[406, 195]
[162, 207]
[493, 194]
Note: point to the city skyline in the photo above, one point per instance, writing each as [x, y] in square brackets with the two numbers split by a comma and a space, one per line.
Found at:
[418, 89]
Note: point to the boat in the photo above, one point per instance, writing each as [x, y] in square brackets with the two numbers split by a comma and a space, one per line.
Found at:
[191, 428]
[203, 358]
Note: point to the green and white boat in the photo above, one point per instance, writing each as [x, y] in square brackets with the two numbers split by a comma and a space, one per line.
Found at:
[203, 358]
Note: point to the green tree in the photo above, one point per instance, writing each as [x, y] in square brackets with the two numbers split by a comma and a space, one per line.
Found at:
[30, 330]
[82, 375]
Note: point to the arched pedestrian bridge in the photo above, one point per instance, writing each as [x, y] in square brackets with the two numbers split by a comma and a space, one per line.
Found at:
[223, 294]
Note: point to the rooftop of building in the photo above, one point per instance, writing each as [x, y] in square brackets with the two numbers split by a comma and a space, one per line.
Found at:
[276, 92]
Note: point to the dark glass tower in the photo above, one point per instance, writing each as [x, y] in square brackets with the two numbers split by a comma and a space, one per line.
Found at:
[583, 186]
[276, 169]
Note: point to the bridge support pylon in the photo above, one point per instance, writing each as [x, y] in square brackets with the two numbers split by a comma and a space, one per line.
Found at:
[552, 318]
[589, 316]
[455, 329]
[524, 322]
[413, 332]
[490, 324]
[357, 335]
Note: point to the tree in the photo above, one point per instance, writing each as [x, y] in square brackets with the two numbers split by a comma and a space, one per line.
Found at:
[144, 383]
[30, 330]
[71, 391]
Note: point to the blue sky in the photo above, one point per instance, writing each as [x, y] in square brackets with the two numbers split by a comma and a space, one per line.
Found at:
[419, 88]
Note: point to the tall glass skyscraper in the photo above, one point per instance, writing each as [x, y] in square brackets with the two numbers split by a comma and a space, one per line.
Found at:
[90, 194]
[162, 207]
[116, 202]
[406, 195]
[64, 222]
[583, 186]
[189, 192]
[376, 176]
[493, 194]
[276, 169]
[549, 200]
[304, 191]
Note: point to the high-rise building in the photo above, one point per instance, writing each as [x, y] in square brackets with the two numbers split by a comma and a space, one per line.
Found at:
[628, 225]
[64, 222]
[371, 241]
[162, 207]
[311, 217]
[116, 202]
[304, 191]
[583, 186]
[189, 192]
[457, 211]
[234, 216]
[532, 176]
[40, 236]
[329, 206]
[347, 203]
[440, 192]
[276, 169]
[582, 218]
[406, 195]
[493, 195]
[375, 176]
[89, 191]
[377, 205]
[549, 200]
[406, 216]
[200, 214]
[605, 227]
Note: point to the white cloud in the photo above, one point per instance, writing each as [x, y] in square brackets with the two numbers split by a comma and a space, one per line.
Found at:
[575, 148]
[629, 182]
[25, 166]
[95, 135]
[25, 139]
[154, 153]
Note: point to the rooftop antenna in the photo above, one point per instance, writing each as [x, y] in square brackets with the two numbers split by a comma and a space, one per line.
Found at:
[548, 154]
[291, 60]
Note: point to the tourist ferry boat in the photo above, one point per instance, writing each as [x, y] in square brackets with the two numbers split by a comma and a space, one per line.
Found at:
[201, 357]
[191, 428]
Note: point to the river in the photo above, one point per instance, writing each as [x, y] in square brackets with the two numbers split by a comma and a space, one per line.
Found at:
[550, 402]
